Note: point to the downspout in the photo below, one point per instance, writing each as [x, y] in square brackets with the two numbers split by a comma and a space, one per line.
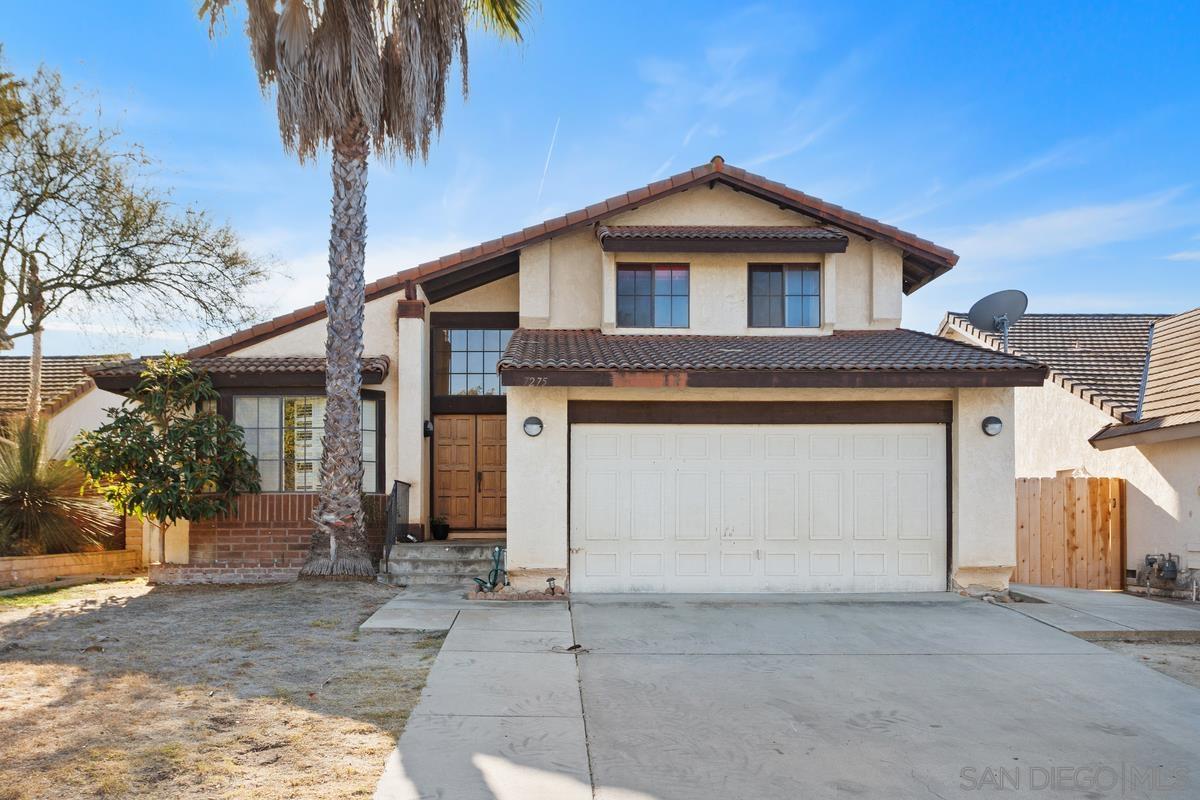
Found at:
[1137, 414]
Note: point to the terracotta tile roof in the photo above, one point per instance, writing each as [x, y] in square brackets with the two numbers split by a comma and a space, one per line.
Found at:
[245, 365]
[63, 379]
[1099, 357]
[890, 350]
[1171, 397]
[797, 233]
[923, 261]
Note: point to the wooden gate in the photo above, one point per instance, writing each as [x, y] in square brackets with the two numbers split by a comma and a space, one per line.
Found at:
[1071, 532]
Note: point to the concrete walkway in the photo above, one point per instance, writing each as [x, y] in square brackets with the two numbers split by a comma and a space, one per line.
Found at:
[500, 717]
[1106, 614]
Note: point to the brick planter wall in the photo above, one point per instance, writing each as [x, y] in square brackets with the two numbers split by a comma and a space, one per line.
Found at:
[264, 541]
[27, 570]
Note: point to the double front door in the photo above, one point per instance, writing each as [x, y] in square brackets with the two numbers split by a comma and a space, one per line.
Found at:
[469, 457]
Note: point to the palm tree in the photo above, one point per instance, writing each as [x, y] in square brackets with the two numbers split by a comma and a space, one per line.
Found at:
[349, 75]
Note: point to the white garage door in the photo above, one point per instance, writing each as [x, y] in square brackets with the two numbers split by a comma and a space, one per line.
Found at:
[758, 508]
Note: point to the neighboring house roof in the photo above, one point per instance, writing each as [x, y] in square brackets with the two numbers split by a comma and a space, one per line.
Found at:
[922, 262]
[1099, 357]
[853, 356]
[257, 371]
[64, 378]
[1168, 404]
[750, 238]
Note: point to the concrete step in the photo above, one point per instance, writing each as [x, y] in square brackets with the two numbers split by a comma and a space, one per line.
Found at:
[449, 552]
[439, 579]
[434, 566]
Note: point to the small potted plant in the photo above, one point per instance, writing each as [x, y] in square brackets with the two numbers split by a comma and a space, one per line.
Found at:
[439, 528]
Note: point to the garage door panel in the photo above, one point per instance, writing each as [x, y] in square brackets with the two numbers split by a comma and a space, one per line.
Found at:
[735, 506]
[647, 445]
[758, 508]
[600, 506]
[915, 563]
[825, 505]
[648, 505]
[780, 506]
[780, 564]
[691, 506]
[869, 505]
[915, 500]
[869, 447]
[782, 445]
[692, 564]
[824, 447]
[912, 447]
[735, 446]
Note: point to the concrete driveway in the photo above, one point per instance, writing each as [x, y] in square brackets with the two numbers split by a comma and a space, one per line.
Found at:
[729, 697]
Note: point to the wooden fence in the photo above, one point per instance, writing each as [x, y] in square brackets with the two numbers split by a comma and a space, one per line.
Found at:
[1071, 532]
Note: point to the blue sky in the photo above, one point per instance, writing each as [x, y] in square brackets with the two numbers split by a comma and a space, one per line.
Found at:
[1055, 146]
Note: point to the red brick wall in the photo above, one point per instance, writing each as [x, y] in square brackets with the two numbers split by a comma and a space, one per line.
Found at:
[265, 539]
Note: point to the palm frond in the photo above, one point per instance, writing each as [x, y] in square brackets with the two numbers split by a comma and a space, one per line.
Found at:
[381, 63]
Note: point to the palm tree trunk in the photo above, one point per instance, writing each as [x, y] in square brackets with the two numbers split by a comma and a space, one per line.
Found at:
[37, 308]
[339, 543]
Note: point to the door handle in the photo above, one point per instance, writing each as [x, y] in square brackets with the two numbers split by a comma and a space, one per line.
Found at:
[478, 480]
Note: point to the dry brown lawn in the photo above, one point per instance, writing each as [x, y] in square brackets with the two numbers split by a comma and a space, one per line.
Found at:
[123, 690]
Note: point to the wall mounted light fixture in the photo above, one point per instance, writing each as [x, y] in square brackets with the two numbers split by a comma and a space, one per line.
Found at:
[427, 429]
[992, 426]
[532, 426]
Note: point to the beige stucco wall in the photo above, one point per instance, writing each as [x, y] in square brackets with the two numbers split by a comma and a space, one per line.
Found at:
[84, 413]
[568, 281]
[984, 548]
[501, 295]
[984, 543]
[1162, 480]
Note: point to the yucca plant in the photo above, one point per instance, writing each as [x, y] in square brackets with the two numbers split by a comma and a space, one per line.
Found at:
[43, 506]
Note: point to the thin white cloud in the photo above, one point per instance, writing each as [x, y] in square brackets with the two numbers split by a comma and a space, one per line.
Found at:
[1069, 229]
[1185, 255]
[937, 197]
[801, 142]
[546, 167]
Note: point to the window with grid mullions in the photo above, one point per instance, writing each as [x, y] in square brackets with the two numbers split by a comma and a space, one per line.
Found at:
[785, 296]
[652, 295]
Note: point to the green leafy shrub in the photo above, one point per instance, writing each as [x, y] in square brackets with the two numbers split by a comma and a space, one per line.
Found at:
[166, 454]
[43, 505]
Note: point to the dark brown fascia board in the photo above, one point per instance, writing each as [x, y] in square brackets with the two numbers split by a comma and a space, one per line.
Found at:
[501, 320]
[660, 244]
[774, 379]
[468, 404]
[456, 282]
[766, 412]
[245, 380]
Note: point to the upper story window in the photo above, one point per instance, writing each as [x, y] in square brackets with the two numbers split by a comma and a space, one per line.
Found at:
[284, 433]
[652, 296]
[465, 361]
[785, 296]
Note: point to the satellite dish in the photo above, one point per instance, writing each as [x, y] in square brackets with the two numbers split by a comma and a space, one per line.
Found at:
[998, 312]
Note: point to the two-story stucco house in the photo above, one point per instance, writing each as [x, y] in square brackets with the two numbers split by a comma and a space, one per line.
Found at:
[700, 385]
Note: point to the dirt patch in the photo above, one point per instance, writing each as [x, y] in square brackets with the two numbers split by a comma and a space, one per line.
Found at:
[122, 690]
[1179, 660]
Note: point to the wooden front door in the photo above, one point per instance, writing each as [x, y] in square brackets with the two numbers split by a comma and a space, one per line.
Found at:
[470, 477]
